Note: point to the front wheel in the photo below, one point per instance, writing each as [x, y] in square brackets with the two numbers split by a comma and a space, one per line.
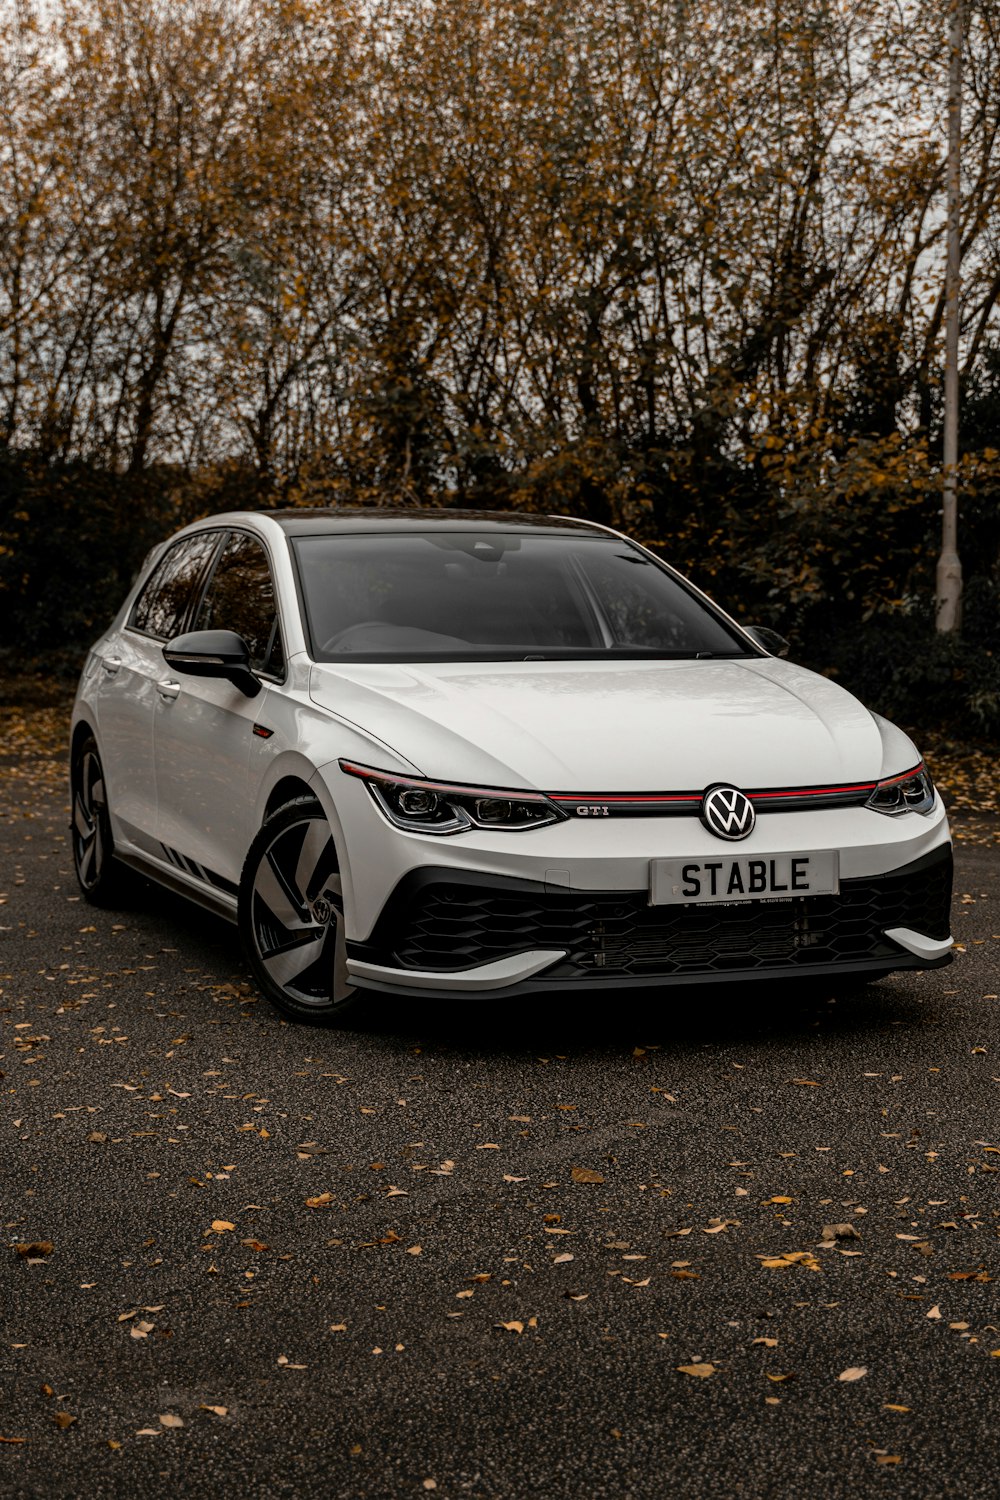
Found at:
[291, 915]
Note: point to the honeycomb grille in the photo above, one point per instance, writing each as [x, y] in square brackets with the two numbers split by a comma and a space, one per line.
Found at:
[454, 926]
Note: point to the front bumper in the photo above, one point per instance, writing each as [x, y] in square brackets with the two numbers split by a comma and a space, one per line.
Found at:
[471, 933]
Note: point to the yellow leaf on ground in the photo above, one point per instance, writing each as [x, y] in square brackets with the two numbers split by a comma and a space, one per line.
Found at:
[701, 1371]
[585, 1174]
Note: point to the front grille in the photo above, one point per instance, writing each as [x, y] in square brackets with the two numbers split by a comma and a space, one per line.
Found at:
[452, 925]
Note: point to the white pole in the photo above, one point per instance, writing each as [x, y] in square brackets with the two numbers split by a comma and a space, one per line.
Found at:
[949, 568]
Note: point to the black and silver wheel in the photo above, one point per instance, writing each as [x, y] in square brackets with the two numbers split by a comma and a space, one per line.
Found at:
[291, 915]
[97, 871]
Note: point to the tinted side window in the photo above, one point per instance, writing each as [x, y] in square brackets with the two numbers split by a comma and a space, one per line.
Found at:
[160, 608]
[240, 597]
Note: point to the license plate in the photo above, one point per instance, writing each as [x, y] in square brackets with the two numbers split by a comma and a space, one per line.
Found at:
[773, 877]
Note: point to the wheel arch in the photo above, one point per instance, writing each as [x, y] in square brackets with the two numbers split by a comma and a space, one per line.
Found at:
[82, 730]
[285, 790]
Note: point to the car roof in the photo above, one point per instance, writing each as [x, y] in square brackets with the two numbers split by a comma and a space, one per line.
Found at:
[320, 520]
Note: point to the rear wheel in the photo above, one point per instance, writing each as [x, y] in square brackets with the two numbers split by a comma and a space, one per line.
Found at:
[291, 915]
[99, 874]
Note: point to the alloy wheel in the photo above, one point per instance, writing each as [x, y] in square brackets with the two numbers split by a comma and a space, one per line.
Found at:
[296, 914]
[89, 820]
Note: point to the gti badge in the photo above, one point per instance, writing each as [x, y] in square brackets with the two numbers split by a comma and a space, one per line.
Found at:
[727, 812]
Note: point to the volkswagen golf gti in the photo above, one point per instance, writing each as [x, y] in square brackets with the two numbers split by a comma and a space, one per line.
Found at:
[443, 753]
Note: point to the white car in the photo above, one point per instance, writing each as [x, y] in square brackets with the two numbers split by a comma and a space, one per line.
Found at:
[444, 752]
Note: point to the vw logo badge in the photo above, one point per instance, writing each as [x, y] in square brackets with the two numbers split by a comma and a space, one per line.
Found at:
[727, 812]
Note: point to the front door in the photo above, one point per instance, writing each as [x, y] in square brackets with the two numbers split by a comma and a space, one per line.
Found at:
[132, 675]
[204, 729]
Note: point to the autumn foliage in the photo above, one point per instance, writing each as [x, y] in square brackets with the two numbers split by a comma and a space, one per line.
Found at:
[675, 267]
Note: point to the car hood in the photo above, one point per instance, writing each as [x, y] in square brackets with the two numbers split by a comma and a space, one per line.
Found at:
[604, 726]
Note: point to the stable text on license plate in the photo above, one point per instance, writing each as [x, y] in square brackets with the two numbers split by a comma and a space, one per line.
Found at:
[772, 877]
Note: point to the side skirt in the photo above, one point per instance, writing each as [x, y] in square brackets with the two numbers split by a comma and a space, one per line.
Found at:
[219, 902]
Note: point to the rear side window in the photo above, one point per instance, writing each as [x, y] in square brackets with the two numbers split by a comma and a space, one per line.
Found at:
[161, 608]
[240, 597]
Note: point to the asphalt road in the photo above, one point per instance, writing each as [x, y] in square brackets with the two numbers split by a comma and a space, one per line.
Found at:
[458, 1312]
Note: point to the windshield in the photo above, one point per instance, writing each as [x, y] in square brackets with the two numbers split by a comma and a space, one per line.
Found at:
[456, 596]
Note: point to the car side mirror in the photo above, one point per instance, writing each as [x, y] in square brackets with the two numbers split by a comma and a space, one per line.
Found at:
[213, 653]
[772, 642]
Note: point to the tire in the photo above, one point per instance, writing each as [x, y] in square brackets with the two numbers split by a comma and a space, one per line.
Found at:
[291, 916]
[101, 878]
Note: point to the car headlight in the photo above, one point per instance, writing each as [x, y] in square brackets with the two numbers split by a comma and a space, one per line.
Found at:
[912, 791]
[443, 807]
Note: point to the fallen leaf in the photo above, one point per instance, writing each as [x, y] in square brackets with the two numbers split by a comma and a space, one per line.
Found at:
[512, 1327]
[806, 1083]
[935, 1312]
[320, 1201]
[34, 1248]
[63, 1419]
[831, 1232]
[585, 1174]
[220, 1226]
[890, 1406]
[167, 1419]
[220, 1411]
[768, 1343]
[854, 1372]
[792, 1258]
[140, 1330]
[778, 1378]
[701, 1371]
[888, 1458]
[559, 1260]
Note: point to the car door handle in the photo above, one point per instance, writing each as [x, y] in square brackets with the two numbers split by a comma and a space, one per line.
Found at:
[111, 664]
[168, 690]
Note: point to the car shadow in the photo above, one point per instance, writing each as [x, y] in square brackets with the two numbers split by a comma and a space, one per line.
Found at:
[674, 1018]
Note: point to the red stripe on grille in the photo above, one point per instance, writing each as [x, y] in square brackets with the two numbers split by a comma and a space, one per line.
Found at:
[806, 791]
